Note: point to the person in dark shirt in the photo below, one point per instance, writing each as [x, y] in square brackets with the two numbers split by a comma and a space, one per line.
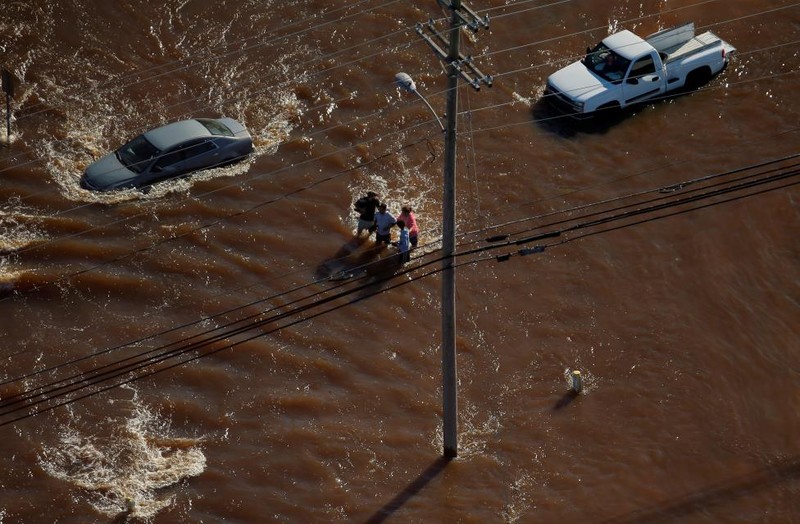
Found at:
[366, 206]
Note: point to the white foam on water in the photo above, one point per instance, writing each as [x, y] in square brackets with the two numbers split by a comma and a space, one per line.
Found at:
[18, 229]
[475, 431]
[124, 465]
[65, 159]
[519, 504]
[101, 115]
[589, 381]
[398, 182]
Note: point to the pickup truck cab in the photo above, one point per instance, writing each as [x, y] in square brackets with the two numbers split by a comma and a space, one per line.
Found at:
[625, 69]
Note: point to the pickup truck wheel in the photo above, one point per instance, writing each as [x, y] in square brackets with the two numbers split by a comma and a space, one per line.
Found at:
[698, 77]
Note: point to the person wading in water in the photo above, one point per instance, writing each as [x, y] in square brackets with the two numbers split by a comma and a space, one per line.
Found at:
[366, 206]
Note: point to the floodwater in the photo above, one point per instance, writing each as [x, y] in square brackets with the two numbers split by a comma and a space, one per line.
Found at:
[181, 355]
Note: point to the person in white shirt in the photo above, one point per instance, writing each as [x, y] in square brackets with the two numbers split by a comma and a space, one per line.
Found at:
[385, 221]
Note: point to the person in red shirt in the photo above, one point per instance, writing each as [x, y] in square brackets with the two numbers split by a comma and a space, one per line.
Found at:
[410, 220]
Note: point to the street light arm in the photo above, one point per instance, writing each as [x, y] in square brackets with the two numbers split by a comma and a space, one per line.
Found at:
[407, 84]
[431, 108]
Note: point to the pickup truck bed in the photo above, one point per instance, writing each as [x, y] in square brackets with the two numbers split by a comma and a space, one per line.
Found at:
[695, 44]
[676, 42]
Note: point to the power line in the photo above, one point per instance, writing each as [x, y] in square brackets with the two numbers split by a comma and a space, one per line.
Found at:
[487, 54]
[681, 186]
[181, 63]
[75, 383]
[103, 378]
[362, 58]
[205, 226]
[407, 29]
[261, 204]
[267, 89]
[476, 109]
[591, 30]
[561, 227]
[218, 221]
[583, 226]
[672, 187]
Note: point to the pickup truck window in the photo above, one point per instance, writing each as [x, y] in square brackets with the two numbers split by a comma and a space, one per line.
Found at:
[643, 66]
[605, 63]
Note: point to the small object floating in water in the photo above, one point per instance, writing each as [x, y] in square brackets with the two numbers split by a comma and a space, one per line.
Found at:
[577, 381]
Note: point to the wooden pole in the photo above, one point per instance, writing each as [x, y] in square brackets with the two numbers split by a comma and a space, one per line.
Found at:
[8, 120]
[456, 66]
[8, 88]
[449, 375]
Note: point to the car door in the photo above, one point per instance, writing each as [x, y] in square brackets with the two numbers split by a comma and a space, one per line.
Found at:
[643, 81]
[168, 165]
[184, 159]
[200, 154]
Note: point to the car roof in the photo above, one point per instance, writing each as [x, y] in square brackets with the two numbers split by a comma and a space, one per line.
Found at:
[167, 136]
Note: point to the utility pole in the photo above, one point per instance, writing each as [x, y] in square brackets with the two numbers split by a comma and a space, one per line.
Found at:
[8, 88]
[457, 65]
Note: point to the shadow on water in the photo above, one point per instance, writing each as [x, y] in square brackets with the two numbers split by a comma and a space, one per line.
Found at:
[566, 400]
[361, 260]
[124, 517]
[557, 123]
[681, 509]
[410, 491]
[564, 126]
[351, 260]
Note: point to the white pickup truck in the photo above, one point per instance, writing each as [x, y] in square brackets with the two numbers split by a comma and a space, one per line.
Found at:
[625, 69]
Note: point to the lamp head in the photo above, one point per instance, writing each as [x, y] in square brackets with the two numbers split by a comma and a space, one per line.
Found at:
[405, 82]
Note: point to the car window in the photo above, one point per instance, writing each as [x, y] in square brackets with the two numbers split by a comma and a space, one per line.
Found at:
[214, 127]
[184, 152]
[168, 159]
[137, 153]
[199, 149]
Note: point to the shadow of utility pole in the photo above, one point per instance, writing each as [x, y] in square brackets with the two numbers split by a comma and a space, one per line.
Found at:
[703, 500]
[410, 491]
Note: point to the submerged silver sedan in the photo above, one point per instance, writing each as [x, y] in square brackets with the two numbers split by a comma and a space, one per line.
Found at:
[174, 150]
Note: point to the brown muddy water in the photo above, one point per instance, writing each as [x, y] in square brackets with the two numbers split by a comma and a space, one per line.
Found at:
[181, 356]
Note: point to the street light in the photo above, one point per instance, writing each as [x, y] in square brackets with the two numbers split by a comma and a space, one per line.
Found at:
[449, 374]
[406, 83]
